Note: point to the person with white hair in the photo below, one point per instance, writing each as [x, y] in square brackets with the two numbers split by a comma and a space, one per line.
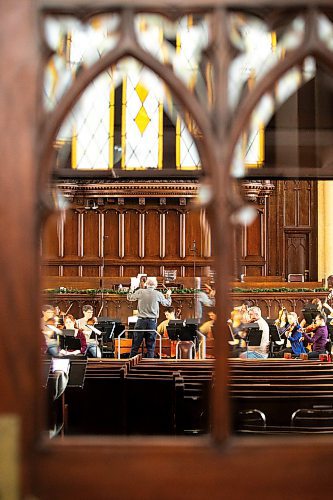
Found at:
[149, 300]
[260, 351]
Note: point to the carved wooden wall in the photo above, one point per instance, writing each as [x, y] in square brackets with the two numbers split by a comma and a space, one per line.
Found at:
[292, 240]
[127, 235]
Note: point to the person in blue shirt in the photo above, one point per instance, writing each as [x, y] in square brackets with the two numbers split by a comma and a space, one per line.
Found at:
[294, 335]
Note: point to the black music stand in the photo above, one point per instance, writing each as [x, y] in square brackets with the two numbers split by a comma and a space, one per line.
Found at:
[68, 340]
[274, 336]
[77, 372]
[111, 328]
[310, 312]
[253, 337]
[174, 328]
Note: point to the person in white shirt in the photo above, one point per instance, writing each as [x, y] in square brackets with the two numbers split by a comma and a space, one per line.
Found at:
[260, 351]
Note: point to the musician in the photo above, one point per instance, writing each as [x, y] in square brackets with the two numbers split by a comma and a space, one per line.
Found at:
[50, 344]
[323, 308]
[319, 338]
[148, 311]
[294, 335]
[93, 350]
[47, 313]
[162, 327]
[70, 324]
[204, 297]
[281, 322]
[207, 327]
[260, 351]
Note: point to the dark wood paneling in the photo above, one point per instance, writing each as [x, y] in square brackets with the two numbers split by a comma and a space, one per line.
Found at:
[172, 235]
[111, 233]
[91, 234]
[152, 233]
[297, 252]
[254, 235]
[71, 271]
[304, 208]
[132, 234]
[50, 242]
[71, 233]
[193, 233]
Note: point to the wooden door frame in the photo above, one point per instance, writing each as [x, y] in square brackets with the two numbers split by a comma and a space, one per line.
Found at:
[114, 467]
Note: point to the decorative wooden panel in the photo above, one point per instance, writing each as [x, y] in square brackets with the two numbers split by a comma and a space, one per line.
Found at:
[152, 233]
[172, 235]
[71, 233]
[253, 237]
[111, 234]
[131, 233]
[297, 253]
[50, 240]
[91, 234]
[193, 233]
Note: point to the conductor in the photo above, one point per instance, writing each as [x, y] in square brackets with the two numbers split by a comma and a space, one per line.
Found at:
[148, 312]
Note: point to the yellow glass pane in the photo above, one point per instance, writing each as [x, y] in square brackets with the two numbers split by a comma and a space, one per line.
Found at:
[141, 91]
[142, 119]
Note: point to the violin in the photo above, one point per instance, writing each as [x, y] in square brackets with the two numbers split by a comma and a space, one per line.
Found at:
[310, 328]
[92, 321]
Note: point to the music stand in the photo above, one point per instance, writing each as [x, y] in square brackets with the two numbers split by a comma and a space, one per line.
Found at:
[310, 312]
[254, 335]
[174, 328]
[77, 373]
[274, 336]
[70, 342]
[111, 328]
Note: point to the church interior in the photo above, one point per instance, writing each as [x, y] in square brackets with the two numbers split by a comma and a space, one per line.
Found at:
[168, 249]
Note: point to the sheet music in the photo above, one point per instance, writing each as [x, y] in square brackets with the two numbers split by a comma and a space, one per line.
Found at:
[59, 364]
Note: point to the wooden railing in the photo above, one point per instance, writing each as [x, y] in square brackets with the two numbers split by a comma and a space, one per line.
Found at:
[116, 305]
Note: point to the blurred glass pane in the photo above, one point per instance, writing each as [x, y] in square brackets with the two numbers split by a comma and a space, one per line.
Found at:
[74, 45]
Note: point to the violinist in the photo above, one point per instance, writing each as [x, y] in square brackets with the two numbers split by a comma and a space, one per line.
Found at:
[207, 327]
[319, 338]
[281, 322]
[260, 351]
[47, 313]
[294, 334]
[323, 308]
[162, 327]
[51, 343]
[93, 350]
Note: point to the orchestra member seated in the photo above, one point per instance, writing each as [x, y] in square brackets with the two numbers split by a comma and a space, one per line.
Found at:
[281, 322]
[47, 313]
[70, 324]
[50, 344]
[162, 327]
[207, 327]
[260, 351]
[323, 308]
[319, 338]
[93, 350]
[294, 335]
